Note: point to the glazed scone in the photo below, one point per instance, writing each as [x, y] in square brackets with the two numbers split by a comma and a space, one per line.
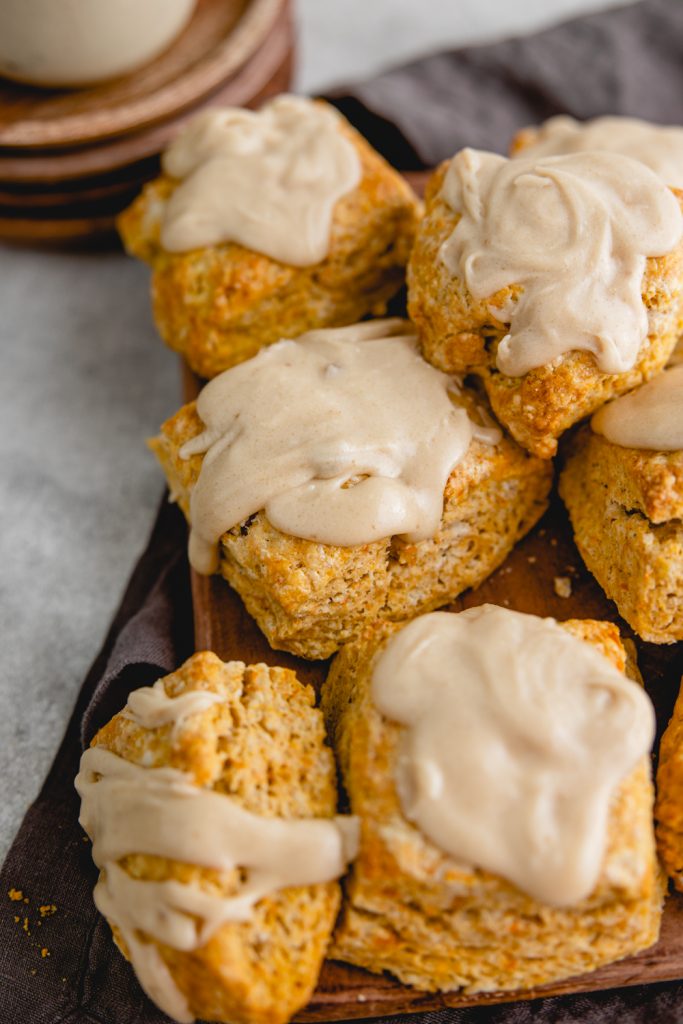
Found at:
[625, 506]
[218, 305]
[261, 742]
[461, 334]
[658, 146]
[310, 598]
[411, 909]
[669, 803]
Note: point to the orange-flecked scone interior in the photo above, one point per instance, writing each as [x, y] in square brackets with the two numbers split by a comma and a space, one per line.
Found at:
[460, 335]
[264, 746]
[625, 506]
[219, 305]
[310, 598]
[412, 910]
[669, 805]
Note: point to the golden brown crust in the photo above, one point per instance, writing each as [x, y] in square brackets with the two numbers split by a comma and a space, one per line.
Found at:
[411, 910]
[264, 746]
[219, 305]
[625, 508]
[651, 482]
[310, 598]
[669, 804]
[460, 335]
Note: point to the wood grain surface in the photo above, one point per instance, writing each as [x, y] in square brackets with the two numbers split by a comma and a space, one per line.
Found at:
[220, 38]
[525, 582]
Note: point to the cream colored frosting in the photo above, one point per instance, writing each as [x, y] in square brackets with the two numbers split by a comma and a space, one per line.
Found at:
[343, 436]
[151, 707]
[129, 809]
[659, 148]
[268, 180]
[650, 417]
[574, 233]
[516, 737]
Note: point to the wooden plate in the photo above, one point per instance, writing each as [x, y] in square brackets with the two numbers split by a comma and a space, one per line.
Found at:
[77, 210]
[524, 582]
[249, 84]
[221, 37]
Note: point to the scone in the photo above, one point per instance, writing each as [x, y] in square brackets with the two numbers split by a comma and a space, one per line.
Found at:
[625, 502]
[307, 596]
[549, 384]
[669, 804]
[219, 303]
[208, 932]
[438, 921]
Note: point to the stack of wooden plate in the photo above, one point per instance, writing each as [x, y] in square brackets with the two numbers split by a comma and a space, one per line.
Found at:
[70, 160]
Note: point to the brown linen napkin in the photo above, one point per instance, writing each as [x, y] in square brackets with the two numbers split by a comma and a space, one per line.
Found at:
[58, 964]
[627, 60]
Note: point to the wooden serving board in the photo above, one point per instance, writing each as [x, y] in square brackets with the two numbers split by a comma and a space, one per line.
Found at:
[525, 582]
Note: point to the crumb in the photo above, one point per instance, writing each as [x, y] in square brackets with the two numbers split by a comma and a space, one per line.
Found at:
[44, 952]
[570, 568]
[33, 971]
[506, 602]
[532, 559]
[17, 918]
[47, 910]
[542, 533]
[16, 895]
[553, 542]
[360, 998]
[25, 926]
[562, 586]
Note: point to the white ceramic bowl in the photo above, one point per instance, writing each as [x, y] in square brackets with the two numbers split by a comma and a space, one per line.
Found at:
[79, 42]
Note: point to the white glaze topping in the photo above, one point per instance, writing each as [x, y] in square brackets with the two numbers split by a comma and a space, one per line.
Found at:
[267, 180]
[129, 809]
[343, 436]
[657, 146]
[574, 233]
[516, 736]
[650, 417]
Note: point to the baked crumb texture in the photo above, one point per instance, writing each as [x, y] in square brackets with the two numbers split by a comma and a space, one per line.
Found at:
[460, 335]
[412, 910]
[310, 598]
[265, 747]
[669, 805]
[626, 507]
[219, 305]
